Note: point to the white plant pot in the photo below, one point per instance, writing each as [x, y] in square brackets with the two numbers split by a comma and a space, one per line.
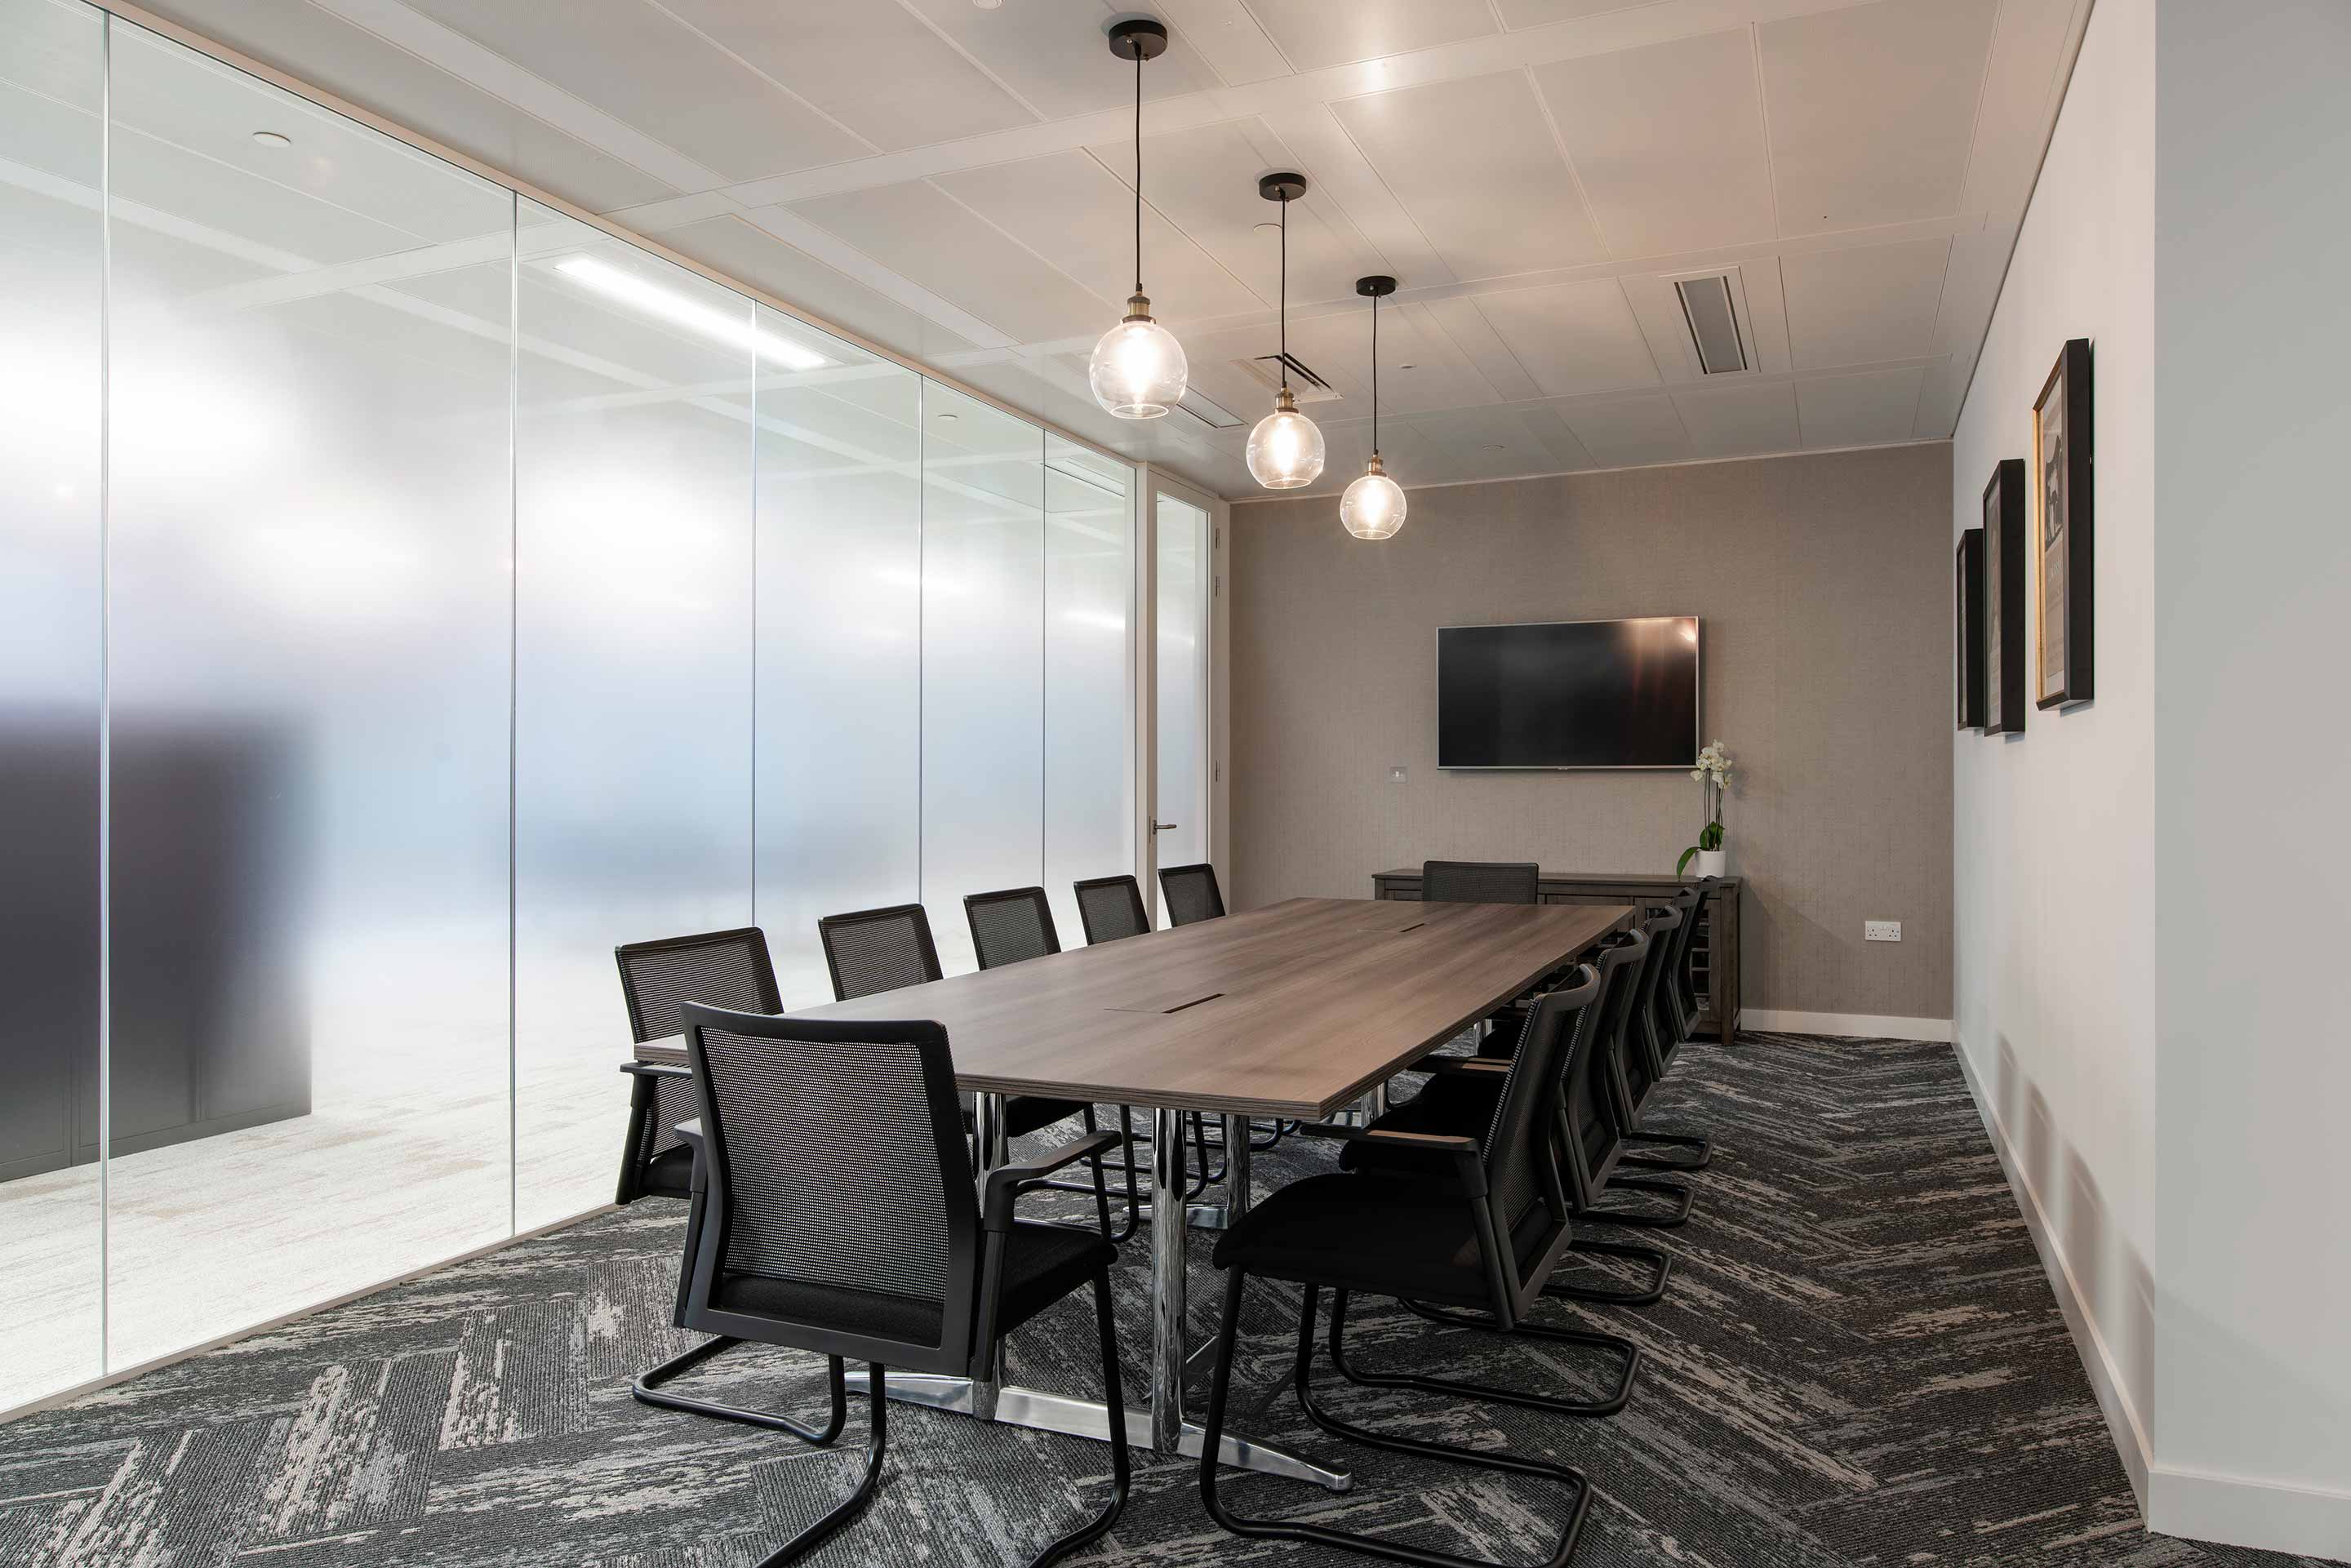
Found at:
[1713, 862]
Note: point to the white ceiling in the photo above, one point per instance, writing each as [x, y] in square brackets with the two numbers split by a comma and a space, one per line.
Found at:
[953, 182]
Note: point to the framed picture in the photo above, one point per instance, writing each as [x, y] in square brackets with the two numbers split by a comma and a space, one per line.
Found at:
[2062, 519]
[2005, 578]
[1968, 603]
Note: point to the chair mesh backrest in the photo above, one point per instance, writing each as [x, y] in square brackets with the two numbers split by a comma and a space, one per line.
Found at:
[1638, 1051]
[1009, 926]
[726, 969]
[1191, 893]
[1479, 882]
[1518, 1141]
[1685, 975]
[828, 1154]
[1671, 1011]
[1592, 1112]
[721, 969]
[1111, 907]
[878, 950]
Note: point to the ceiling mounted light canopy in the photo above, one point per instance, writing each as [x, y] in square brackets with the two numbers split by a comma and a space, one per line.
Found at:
[1373, 508]
[1285, 450]
[1138, 370]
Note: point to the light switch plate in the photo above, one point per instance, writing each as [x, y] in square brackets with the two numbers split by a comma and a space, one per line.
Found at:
[1880, 931]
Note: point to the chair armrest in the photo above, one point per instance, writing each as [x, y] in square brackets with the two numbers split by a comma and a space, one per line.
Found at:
[1464, 1066]
[1007, 1182]
[1468, 1160]
[690, 1134]
[655, 1070]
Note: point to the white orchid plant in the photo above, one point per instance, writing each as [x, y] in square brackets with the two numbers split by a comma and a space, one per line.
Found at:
[1713, 773]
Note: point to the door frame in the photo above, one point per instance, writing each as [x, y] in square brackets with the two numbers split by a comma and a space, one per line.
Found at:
[1215, 786]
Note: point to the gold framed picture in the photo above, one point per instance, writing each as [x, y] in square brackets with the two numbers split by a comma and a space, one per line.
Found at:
[2063, 518]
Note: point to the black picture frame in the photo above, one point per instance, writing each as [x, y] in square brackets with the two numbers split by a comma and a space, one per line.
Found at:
[1967, 610]
[2005, 597]
[2065, 668]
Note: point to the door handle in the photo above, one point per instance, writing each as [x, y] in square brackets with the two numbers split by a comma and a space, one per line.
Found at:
[1159, 827]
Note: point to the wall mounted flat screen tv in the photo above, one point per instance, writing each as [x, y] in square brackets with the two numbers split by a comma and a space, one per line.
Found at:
[1569, 694]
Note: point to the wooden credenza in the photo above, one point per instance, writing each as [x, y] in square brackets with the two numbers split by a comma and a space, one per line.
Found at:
[1716, 956]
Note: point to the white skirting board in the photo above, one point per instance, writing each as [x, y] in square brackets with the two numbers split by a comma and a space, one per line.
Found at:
[1860, 1026]
[2236, 1510]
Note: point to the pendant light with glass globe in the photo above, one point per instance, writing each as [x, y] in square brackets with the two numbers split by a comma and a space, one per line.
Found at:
[1138, 370]
[1373, 508]
[1285, 450]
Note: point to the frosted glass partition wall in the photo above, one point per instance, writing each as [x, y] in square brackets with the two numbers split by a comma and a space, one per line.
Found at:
[52, 255]
[632, 664]
[1182, 626]
[409, 593]
[840, 649]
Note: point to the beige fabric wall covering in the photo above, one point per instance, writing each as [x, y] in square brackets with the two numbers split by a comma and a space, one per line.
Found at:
[1824, 585]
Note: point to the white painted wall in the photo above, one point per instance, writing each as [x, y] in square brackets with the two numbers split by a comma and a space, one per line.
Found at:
[2252, 749]
[2053, 874]
[2144, 956]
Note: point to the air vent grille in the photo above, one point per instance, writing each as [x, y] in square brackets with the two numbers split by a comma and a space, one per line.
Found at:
[1304, 384]
[1713, 324]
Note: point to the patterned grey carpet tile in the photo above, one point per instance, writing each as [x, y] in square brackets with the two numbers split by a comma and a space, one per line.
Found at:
[1858, 1362]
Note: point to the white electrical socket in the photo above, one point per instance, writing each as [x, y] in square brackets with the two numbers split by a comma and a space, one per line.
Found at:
[1395, 775]
[1880, 931]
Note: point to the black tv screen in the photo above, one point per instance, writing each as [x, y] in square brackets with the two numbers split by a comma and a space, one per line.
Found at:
[1569, 694]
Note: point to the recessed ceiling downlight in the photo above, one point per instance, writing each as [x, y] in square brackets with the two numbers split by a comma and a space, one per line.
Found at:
[272, 138]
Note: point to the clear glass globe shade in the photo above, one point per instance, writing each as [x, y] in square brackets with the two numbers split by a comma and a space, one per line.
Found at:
[1373, 508]
[1138, 370]
[1285, 450]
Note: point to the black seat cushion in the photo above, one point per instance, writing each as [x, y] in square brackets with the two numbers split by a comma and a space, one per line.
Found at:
[1377, 1235]
[670, 1173]
[1023, 1114]
[1043, 1263]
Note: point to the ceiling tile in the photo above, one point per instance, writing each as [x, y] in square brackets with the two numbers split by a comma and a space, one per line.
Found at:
[874, 67]
[1737, 420]
[1069, 207]
[1228, 38]
[1475, 164]
[647, 68]
[1858, 409]
[921, 232]
[1869, 303]
[1668, 142]
[1572, 336]
[1873, 109]
[1625, 433]
[1055, 57]
[1517, 14]
[1312, 34]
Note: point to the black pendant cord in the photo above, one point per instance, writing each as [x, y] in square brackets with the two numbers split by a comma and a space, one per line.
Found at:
[1376, 376]
[1284, 307]
[1138, 174]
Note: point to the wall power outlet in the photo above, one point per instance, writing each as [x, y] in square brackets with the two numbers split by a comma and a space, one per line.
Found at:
[1880, 931]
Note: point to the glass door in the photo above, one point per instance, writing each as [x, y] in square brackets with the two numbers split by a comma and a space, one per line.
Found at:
[1184, 588]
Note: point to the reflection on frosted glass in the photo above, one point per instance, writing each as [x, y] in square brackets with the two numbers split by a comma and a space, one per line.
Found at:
[308, 667]
[840, 650]
[632, 666]
[1089, 805]
[1183, 681]
[983, 660]
[51, 257]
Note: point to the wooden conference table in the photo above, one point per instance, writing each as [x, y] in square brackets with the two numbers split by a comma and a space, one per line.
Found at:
[1297, 1011]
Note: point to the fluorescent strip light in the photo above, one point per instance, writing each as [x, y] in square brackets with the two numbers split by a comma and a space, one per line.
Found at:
[670, 305]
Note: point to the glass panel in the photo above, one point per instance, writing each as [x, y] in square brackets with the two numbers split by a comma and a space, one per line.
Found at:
[983, 660]
[1089, 579]
[52, 263]
[632, 666]
[1182, 712]
[308, 661]
[840, 648]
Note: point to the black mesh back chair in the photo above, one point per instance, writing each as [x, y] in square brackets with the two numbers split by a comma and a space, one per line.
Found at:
[873, 950]
[834, 1212]
[1670, 1014]
[1479, 882]
[724, 969]
[1637, 1073]
[1111, 907]
[1011, 927]
[1480, 1231]
[1191, 893]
